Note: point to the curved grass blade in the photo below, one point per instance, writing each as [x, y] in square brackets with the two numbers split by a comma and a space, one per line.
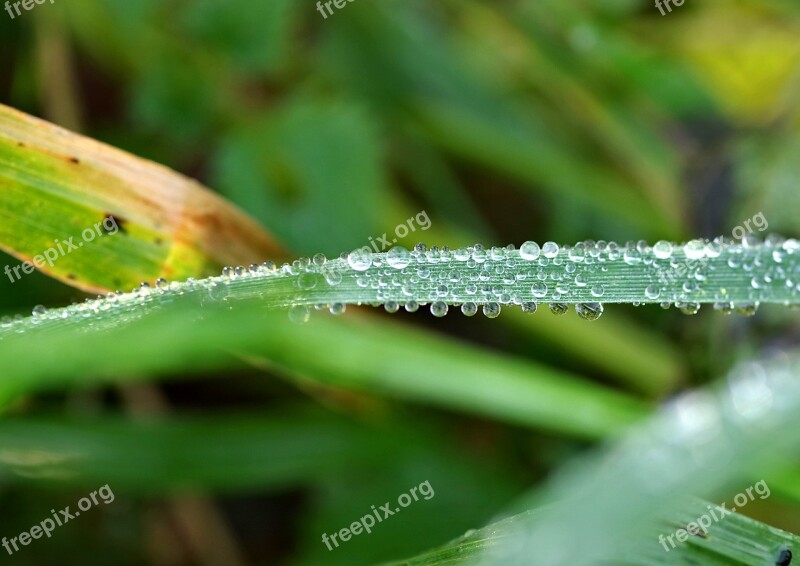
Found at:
[145, 221]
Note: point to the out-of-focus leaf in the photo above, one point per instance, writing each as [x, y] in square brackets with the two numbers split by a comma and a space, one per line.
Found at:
[308, 164]
[223, 453]
[749, 58]
[56, 185]
[351, 353]
[465, 491]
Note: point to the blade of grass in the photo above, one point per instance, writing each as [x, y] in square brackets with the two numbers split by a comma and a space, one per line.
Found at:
[55, 184]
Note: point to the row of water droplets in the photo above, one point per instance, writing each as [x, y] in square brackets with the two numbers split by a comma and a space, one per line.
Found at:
[483, 279]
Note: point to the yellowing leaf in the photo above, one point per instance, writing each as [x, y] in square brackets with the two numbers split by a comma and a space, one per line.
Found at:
[101, 219]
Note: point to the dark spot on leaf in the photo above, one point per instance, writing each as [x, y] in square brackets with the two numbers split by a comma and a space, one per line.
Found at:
[74, 160]
[158, 241]
[117, 282]
[21, 144]
[71, 276]
[110, 219]
[784, 558]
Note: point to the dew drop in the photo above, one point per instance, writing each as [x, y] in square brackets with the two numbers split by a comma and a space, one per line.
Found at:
[529, 307]
[539, 289]
[662, 249]
[695, 249]
[439, 308]
[398, 257]
[559, 308]
[391, 306]
[307, 281]
[714, 249]
[589, 311]
[39, 311]
[746, 309]
[652, 292]
[332, 277]
[688, 308]
[530, 251]
[724, 307]
[491, 310]
[550, 249]
[632, 256]
[162, 283]
[469, 309]
[218, 291]
[360, 259]
[412, 306]
[299, 314]
[577, 253]
[337, 309]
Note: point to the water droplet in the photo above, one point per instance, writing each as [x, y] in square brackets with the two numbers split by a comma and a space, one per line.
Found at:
[227, 272]
[360, 259]
[724, 307]
[491, 310]
[307, 281]
[299, 314]
[332, 277]
[688, 308]
[469, 309]
[39, 311]
[219, 291]
[398, 257]
[162, 283]
[577, 253]
[746, 309]
[529, 307]
[714, 249]
[391, 306]
[439, 308]
[412, 306]
[539, 289]
[550, 249]
[530, 251]
[589, 311]
[559, 308]
[695, 249]
[662, 249]
[337, 308]
[652, 292]
[598, 291]
[632, 256]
